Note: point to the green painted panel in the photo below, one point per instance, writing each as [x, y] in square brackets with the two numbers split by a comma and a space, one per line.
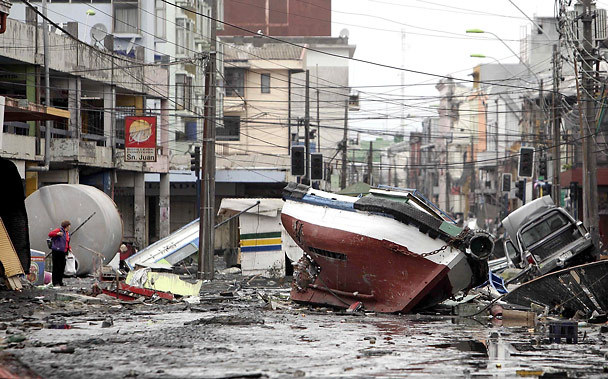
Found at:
[450, 229]
[249, 236]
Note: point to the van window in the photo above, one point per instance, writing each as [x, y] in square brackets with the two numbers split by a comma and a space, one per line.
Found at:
[551, 223]
[512, 253]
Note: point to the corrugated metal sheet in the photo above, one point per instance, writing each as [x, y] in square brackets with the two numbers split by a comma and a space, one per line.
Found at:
[8, 255]
[280, 51]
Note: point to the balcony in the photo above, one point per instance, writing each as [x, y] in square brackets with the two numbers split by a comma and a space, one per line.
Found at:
[486, 160]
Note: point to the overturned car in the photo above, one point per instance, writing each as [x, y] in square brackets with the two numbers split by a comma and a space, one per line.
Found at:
[542, 237]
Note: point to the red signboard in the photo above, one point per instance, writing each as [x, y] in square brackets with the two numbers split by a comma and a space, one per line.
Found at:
[140, 139]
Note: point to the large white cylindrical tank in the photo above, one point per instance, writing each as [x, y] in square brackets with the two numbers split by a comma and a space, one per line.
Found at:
[102, 233]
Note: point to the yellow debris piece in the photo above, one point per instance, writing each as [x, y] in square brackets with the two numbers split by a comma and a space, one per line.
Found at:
[8, 255]
[529, 372]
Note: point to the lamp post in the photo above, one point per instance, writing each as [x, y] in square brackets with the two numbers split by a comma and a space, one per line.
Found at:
[480, 31]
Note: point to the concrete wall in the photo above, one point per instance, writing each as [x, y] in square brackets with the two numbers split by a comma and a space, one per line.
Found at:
[76, 57]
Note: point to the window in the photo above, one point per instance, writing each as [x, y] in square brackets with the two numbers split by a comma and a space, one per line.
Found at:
[183, 91]
[120, 114]
[235, 81]
[183, 38]
[161, 22]
[543, 228]
[265, 83]
[231, 130]
[126, 16]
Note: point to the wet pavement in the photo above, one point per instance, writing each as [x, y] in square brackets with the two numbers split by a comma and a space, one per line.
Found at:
[258, 332]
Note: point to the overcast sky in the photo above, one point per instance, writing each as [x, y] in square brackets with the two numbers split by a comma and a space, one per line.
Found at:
[435, 42]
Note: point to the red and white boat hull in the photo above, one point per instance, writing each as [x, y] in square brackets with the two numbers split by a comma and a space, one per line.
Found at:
[361, 256]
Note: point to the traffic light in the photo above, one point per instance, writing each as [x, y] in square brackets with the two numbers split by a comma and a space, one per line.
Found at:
[298, 159]
[316, 166]
[520, 189]
[526, 162]
[506, 182]
[542, 168]
[195, 159]
[573, 191]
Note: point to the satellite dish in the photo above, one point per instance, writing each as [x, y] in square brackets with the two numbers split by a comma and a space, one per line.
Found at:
[344, 33]
[98, 33]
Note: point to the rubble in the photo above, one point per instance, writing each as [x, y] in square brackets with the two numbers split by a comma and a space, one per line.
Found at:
[150, 334]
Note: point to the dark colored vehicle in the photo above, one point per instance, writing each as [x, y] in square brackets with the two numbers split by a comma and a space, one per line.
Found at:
[543, 237]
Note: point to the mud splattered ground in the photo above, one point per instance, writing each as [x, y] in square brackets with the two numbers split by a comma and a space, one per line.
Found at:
[259, 333]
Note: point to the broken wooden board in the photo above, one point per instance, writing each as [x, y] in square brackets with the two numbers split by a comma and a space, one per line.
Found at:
[581, 288]
[9, 259]
[164, 282]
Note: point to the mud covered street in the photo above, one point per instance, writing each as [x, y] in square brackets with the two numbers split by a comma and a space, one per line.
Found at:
[258, 332]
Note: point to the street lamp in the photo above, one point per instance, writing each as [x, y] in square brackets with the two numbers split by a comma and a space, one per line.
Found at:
[480, 31]
[495, 60]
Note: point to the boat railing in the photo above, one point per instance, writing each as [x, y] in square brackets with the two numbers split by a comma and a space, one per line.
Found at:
[419, 195]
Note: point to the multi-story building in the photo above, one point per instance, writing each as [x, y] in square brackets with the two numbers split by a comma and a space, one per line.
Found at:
[87, 87]
[265, 102]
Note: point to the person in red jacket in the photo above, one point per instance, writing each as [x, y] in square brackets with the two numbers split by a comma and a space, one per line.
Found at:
[60, 247]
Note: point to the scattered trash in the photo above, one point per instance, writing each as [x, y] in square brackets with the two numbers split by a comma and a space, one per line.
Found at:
[563, 329]
[15, 338]
[192, 299]
[371, 340]
[230, 270]
[108, 322]
[59, 325]
[64, 350]
[528, 372]
[163, 281]
[355, 307]
[374, 353]
[226, 320]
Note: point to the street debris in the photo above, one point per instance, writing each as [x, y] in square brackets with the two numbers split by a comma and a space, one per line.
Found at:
[226, 320]
[9, 260]
[163, 282]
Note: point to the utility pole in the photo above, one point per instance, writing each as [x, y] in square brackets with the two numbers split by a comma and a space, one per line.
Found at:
[556, 102]
[318, 123]
[370, 164]
[47, 86]
[207, 210]
[537, 132]
[447, 174]
[344, 147]
[289, 112]
[306, 179]
[590, 161]
[318, 117]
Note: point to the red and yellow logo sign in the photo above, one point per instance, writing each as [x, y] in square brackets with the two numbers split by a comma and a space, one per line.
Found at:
[140, 139]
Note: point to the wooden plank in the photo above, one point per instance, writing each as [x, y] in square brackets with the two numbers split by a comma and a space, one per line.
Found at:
[8, 254]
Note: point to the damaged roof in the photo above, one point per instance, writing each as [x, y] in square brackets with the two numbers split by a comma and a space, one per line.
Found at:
[249, 51]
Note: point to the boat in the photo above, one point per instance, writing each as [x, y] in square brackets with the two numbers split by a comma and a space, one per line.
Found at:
[391, 250]
[581, 289]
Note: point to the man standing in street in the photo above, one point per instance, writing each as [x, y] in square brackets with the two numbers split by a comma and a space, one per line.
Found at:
[59, 248]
